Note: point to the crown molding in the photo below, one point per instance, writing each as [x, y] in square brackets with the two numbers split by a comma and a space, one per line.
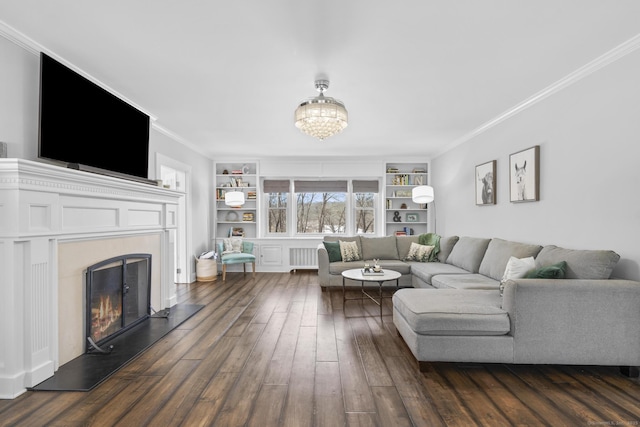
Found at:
[602, 61]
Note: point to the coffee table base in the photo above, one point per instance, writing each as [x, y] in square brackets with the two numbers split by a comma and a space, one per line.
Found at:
[366, 295]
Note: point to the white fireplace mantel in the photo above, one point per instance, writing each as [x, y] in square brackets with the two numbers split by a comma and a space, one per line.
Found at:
[42, 205]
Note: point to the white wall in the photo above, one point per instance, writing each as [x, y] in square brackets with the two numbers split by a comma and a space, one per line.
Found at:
[19, 100]
[589, 137]
[19, 75]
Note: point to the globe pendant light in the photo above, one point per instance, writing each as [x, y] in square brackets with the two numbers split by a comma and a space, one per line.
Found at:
[321, 117]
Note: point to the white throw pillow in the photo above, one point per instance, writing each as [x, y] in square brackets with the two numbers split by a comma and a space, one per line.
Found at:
[516, 269]
[232, 245]
[349, 251]
[419, 252]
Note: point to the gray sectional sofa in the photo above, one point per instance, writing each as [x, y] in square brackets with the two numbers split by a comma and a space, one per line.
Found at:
[454, 310]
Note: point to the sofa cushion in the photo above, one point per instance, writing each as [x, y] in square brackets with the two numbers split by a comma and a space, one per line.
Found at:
[581, 264]
[379, 247]
[426, 270]
[464, 281]
[404, 243]
[468, 253]
[419, 252]
[349, 251]
[333, 251]
[498, 253]
[446, 246]
[451, 312]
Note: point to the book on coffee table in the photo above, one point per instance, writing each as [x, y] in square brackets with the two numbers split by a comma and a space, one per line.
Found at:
[372, 273]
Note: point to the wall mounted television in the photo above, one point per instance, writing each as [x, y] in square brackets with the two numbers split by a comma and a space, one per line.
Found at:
[86, 127]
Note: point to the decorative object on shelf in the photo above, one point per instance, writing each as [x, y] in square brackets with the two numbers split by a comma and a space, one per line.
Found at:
[412, 217]
[425, 194]
[524, 175]
[225, 172]
[396, 216]
[403, 206]
[403, 193]
[321, 117]
[235, 199]
[418, 170]
[231, 216]
[486, 183]
[417, 180]
[237, 231]
[245, 169]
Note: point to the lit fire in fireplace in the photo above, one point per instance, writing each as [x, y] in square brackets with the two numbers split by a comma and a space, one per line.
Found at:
[105, 317]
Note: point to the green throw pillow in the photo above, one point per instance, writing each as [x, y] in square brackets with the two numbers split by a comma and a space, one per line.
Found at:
[555, 271]
[333, 249]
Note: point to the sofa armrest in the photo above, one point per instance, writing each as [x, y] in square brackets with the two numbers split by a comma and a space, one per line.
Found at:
[323, 265]
[574, 321]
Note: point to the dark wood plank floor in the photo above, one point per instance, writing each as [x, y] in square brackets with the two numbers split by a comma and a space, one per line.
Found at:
[277, 351]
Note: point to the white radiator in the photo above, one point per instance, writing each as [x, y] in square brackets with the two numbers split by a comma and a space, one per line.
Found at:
[303, 257]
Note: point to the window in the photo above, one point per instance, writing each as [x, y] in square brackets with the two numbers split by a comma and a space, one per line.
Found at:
[364, 198]
[277, 195]
[321, 207]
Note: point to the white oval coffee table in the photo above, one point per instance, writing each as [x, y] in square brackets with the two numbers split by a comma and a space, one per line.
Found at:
[357, 274]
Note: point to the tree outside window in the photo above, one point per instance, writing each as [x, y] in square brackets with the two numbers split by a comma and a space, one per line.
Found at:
[321, 213]
[277, 209]
[364, 213]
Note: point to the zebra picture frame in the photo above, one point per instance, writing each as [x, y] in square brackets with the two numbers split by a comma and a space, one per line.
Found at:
[486, 184]
[524, 175]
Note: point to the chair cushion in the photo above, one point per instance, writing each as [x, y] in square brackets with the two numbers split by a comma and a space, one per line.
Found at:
[452, 312]
[235, 258]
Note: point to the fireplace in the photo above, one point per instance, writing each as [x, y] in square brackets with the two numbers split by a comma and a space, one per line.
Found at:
[118, 297]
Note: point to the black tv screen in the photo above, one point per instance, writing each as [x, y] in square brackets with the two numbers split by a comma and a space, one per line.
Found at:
[81, 124]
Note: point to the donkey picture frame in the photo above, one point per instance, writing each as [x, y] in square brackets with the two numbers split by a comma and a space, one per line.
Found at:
[524, 175]
[486, 183]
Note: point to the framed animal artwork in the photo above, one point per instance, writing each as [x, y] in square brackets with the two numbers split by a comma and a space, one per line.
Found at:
[524, 175]
[486, 183]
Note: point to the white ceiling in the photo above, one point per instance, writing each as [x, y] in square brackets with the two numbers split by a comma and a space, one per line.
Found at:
[416, 76]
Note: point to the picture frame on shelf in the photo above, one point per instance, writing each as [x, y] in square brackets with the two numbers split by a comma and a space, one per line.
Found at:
[412, 217]
[486, 183]
[524, 175]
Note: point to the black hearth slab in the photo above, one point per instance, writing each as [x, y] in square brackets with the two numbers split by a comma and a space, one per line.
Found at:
[87, 371]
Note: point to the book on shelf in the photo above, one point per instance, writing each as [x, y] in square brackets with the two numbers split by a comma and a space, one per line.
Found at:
[248, 216]
[401, 233]
[251, 195]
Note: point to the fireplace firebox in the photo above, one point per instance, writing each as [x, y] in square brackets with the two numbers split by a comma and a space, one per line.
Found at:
[118, 297]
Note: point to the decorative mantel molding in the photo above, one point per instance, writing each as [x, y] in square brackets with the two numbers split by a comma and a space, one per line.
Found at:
[42, 205]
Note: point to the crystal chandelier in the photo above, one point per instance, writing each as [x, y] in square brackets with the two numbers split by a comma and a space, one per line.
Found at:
[321, 117]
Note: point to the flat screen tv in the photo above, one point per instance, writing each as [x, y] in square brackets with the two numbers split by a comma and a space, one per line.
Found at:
[86, 127]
